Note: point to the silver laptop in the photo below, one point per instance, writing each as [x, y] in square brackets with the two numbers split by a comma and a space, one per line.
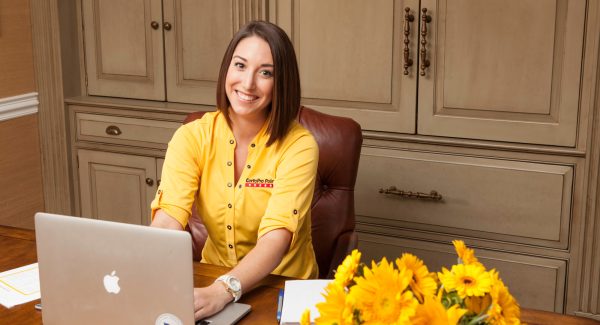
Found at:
[101, 272]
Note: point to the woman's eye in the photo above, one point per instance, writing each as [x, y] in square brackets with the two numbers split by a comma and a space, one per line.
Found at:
[266, 73]
[238, 65]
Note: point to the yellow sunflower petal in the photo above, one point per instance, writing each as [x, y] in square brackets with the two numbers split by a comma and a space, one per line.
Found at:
[381, 295]
[422, 283]
[346, 271]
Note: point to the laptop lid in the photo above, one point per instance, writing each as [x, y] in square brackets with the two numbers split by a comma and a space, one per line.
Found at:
[102, 272]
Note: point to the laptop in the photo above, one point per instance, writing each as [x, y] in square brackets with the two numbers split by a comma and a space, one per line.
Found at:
[103, 272]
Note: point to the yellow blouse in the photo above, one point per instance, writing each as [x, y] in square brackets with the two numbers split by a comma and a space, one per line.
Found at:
[274, 191]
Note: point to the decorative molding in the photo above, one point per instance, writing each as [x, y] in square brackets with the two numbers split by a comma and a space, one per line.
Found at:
[245, 11]
[17, 106]
[51, 122]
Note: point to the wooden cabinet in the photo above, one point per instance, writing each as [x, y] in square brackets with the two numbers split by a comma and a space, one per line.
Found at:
[496, 113]
[117, 187]
[118, 158]
[125, 41]
[479, 101]
[494, 70]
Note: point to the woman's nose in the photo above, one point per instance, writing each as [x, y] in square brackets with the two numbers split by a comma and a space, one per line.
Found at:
[249, 81]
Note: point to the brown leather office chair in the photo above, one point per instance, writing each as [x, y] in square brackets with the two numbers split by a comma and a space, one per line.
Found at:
[332, 211]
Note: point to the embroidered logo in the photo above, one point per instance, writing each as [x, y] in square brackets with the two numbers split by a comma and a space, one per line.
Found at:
[259, 182]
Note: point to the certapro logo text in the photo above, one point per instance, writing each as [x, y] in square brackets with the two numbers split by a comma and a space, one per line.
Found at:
[169, 319]
[259, 182]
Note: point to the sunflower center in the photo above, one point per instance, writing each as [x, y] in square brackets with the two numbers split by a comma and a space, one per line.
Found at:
[468, 281]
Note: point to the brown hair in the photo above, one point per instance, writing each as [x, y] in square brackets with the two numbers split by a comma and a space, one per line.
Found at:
[285, 101]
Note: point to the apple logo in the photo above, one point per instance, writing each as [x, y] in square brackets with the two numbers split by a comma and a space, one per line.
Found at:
[111, 283]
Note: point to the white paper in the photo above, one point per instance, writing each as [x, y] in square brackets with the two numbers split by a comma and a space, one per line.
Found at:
[20, 285]
[300, 295]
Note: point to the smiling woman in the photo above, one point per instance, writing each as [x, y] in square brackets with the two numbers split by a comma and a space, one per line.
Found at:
[250, 167]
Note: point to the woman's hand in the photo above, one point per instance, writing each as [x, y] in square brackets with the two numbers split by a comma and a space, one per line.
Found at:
[210, 300]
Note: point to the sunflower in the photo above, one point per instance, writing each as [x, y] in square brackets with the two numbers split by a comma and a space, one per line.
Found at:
[432, 312]
[465, 255]
[336, 309]
[381, 295]
[346, 271]
[467, 280]
[422, 282]
[505, 309]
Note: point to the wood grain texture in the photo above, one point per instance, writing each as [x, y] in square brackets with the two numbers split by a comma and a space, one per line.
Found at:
[16, 68]
[20, 172]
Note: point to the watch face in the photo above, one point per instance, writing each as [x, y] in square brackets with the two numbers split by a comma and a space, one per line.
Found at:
[235, 284]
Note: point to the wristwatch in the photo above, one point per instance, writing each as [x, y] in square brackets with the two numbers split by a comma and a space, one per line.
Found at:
[232, 285]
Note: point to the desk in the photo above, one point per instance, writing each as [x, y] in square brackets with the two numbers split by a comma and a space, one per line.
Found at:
[18, 249]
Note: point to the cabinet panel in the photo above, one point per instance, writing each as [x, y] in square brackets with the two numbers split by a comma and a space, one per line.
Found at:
[116, 187]
[533, 200]
[124, 130]
[503, 70]
[194, 47]
[124, 54]
[350, 58]
[536, 282]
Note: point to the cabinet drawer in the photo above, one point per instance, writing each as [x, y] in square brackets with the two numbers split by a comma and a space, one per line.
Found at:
[123, 130]
[536, 282]
[513, 201]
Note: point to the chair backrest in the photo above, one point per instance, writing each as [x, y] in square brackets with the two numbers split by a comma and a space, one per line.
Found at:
[332, 211]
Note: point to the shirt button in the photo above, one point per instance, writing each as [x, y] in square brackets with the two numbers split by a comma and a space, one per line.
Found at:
[229, 185]
[230, 246]
[240, 186]
[229, 227]
[229, 205]
[253, 145]
[231, 141]
[295, 211]
[249, 166]
[229, 163]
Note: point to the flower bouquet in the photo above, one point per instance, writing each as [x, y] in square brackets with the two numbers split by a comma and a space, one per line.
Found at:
[405, 292]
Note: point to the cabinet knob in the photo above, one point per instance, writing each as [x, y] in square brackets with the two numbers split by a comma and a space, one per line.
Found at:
[113, 130]
[154, 25]
[149, 181]
[167, 26]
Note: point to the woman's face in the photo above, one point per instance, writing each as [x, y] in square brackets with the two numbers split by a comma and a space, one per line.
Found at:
[249, 81]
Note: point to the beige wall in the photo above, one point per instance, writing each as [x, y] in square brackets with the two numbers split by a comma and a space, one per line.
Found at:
[20, 162]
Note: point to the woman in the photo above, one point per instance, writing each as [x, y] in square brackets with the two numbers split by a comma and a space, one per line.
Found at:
[251, 168]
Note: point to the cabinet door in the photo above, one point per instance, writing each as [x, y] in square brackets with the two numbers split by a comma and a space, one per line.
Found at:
[505, 70]
[116, 187]
[350, 54]
[124, 48]
[195, 44]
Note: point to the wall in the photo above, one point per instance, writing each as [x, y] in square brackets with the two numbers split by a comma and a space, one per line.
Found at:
[20, 162]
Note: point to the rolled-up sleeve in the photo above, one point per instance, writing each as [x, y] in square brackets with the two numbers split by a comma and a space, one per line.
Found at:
[180, 175]
[293, 188]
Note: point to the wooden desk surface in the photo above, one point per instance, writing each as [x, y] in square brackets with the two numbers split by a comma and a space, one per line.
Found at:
[18, 249]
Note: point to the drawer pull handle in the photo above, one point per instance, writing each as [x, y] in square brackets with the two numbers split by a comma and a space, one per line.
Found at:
[113, 130]
[424, 20]
[408, 18]
[433, 195]
[149, 181]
